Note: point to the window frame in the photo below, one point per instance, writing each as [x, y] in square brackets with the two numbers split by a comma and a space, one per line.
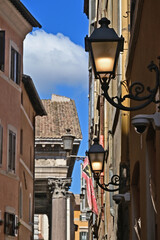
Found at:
[82, 237]
[1, 144]
[15, 64]
[10, 224]
[12, 150]
[2, 50]
[30, 209]
[20, 201]
[21, 141]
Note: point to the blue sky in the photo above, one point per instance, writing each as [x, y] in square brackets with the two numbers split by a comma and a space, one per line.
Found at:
[54, 57]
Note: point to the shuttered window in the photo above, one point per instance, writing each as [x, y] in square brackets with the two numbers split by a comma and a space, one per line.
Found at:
[133, 3]
[15, 66]
[83, 235]
[21, 141]
[1, 143]
[10, 224]
[12, 151]
[93, 11]
[2, 50]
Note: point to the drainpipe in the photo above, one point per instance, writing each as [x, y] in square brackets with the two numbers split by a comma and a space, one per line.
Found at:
[102, 143]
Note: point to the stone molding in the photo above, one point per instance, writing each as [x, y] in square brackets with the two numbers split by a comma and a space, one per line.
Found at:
[59, 186]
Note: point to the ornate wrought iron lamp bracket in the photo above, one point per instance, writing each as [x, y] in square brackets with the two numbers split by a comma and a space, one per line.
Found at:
[135, 91]
[115, 181]
[120, 183]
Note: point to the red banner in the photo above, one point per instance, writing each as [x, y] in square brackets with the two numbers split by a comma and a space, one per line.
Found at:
[87, 175]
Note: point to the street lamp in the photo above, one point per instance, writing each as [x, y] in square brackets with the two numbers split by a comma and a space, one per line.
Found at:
[104, 47]
[67, 140]
[97, 155]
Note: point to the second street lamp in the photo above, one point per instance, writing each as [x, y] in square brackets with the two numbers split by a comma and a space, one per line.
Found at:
[97, 155]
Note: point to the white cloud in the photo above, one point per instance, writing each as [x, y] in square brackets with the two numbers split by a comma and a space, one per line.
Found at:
[52, 60]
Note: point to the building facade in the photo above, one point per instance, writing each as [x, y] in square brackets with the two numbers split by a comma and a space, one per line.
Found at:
[135, 217]
[80, 219]
[110, 125]
[19, 104]
[54, 165]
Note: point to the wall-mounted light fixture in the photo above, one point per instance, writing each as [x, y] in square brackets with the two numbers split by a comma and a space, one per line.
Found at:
[97, 155]
[104, 47]
[67, 140]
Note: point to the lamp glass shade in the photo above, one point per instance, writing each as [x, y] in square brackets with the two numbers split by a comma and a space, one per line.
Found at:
[104, 47]
[104, 55]
[68, 142]
[97, 161]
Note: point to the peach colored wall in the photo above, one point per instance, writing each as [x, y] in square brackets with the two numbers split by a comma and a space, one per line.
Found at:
[10, 35]
[12, 114]
[28, 145]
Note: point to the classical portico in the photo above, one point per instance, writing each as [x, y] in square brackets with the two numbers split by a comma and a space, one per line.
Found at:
[53, 164]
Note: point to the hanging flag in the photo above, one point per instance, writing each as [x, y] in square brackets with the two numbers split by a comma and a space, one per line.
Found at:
[87, 175]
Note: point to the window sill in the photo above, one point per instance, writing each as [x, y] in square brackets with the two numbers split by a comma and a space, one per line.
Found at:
[9, 174]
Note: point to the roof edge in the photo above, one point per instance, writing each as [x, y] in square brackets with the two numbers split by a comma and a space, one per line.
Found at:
[25, 13]
[33, 95]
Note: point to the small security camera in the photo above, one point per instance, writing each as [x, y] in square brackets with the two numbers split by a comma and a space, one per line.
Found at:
[119, 198]
[142, 121]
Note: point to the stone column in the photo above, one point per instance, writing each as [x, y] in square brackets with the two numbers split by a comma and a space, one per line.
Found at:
[59, 188]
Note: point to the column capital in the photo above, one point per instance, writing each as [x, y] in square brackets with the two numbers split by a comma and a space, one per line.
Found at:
[59, 186]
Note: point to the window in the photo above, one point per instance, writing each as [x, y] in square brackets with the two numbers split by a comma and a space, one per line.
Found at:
[1, 143]
[82, 218]
[21, 141]
[30, 208]
[21, 202]
[133, 3]
[83, 235]
[22, 98]
[15, 66]
[31, 160]
[93, 11]
[2, 50]
[10, 225]
[12, 151]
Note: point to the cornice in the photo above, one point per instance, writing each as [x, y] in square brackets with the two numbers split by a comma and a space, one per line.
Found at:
[14, 19]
